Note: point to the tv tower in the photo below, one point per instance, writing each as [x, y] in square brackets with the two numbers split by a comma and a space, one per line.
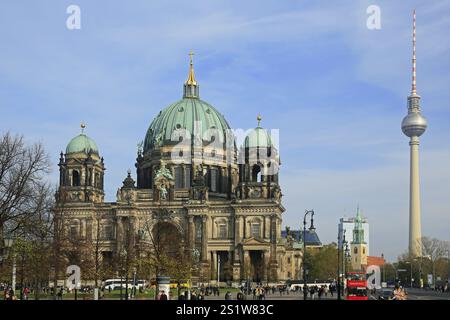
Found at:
[413, 126]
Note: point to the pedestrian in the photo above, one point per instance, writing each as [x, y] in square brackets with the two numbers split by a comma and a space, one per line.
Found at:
[305, 290]
[263, 294]
[163, 296]
[26, 292]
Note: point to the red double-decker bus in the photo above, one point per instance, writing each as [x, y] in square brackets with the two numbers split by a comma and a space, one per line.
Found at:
[357, 286]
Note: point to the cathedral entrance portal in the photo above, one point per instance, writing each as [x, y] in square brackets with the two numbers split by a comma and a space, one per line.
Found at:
[166, 239]
[257, 265]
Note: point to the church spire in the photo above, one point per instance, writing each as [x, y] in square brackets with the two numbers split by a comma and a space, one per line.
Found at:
[190, 85]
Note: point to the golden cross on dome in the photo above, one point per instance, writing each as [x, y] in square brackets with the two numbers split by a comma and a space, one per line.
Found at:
[191, 53]
[191, 77]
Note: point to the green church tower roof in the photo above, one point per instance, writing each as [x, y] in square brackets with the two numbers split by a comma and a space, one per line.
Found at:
[258, 137]
[82, 143]
[358, 230]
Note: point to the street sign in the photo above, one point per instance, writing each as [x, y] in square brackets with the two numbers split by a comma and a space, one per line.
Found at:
[402, 270]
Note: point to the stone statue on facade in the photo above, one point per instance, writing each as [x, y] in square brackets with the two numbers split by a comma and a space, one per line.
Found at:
[163, 180]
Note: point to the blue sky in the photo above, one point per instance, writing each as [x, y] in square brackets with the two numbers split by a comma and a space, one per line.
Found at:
[335, 90]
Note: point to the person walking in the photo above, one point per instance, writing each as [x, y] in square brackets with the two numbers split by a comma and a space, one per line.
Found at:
[263, 294]
[312, 292]
[163, 296]
[305, 290]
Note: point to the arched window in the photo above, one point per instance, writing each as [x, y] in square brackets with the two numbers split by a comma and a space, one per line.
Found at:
[364, 250]
[355, 250]
[75, 178]
[256, 173]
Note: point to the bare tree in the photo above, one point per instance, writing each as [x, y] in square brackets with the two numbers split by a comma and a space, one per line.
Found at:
[22, 169]
[434, 250]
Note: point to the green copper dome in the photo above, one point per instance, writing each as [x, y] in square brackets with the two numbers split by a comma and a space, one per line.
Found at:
[184, 114]
[258, 137]
[82, 143]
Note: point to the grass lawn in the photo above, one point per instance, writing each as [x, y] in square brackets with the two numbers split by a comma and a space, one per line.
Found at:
[115, 294]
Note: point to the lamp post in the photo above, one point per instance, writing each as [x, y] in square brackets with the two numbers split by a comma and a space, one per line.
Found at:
[340, 248]
[345, 256]
[448, 265]
[311, 212]
[9, 242]
[411, 274]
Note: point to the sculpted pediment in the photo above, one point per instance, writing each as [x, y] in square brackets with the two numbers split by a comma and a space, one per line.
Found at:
[254, 241]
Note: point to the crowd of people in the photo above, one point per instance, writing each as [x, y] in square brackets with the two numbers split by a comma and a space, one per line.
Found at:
[260, 292]
[10, 294]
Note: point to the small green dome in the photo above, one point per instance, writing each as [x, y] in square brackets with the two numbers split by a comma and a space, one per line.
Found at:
[82, 143]
[184, 114]
[258, 137]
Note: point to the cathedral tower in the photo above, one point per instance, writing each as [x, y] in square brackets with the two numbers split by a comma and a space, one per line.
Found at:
[81, 171]
[358, 245]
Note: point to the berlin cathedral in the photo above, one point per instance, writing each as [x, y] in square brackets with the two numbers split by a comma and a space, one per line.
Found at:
[195, 187]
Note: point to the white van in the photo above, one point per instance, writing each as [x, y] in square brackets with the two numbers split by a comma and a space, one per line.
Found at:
[116, 284]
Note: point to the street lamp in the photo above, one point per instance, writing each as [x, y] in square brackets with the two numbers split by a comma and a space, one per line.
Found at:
[448, 265]
[411, 279]
[9, 241]
[311, 212]
[340, 248]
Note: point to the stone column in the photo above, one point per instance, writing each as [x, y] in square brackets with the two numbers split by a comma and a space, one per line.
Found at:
[214, 265]
[223, 180]
[247, 268]
[266, 269]
[89, 226]
[205, 238]
[191, 233]
[267, 227]
[119, 233]
[83, 228]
